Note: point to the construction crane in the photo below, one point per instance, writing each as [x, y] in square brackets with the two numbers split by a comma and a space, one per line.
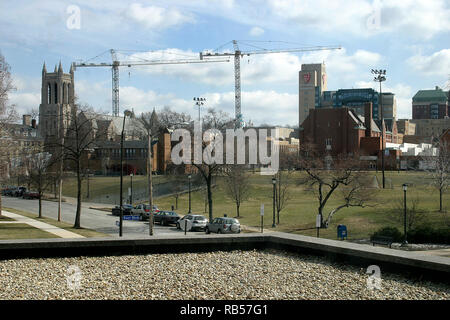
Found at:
[238, 54]
[116, 63]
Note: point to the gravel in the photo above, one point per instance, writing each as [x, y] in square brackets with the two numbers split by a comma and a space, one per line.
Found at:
[237, 274]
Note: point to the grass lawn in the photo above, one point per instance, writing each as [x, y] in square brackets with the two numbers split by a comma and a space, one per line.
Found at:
[3, 218]
[12, 231]
[106, 185]
[63, 225]
[301, 210]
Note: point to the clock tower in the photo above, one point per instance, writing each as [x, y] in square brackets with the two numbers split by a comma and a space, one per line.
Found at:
[312, 82]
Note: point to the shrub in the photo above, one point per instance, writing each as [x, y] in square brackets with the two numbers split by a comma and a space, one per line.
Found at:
[429, 235]
[392, 232]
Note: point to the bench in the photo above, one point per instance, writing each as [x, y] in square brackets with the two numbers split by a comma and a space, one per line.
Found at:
[382, 240]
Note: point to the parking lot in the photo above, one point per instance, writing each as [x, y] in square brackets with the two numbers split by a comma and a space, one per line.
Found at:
[95, 219]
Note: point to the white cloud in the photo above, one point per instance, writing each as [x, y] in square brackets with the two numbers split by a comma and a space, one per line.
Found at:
[437, 64]
[256, 31]
[153, 17]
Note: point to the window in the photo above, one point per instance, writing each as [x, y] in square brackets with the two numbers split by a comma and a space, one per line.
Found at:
[56, 93]
[49, 94]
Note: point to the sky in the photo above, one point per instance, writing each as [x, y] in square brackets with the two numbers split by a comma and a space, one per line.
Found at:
[410, 39]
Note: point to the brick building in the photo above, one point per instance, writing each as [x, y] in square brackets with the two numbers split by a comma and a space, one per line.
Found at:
[430, 104]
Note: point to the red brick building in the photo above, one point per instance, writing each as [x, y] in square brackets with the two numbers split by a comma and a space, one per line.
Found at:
[341, 131]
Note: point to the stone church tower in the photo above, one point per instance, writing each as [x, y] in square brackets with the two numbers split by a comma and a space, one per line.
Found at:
[57, 103]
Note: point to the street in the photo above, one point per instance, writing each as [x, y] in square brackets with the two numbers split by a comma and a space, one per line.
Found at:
[97, 220]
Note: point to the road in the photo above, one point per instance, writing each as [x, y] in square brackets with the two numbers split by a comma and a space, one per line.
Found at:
[97, 220]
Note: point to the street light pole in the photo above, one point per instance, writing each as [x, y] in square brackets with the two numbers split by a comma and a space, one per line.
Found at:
[131, 195]
[199, 102]
[274, 183]
[405, 187]
[125, 113]
[380, 78]
[189, 177]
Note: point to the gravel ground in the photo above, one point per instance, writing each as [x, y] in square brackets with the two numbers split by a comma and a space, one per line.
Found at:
[215, 275]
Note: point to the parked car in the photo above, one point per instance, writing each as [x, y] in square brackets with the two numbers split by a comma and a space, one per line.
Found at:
[19, 192]
[144, 210]
[126, 210]
[167, 217]
[30, 195]
[194, 222]
[223, 225]
[8, 191]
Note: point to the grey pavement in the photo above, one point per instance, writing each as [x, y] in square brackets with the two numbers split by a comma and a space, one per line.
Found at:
[97, 220]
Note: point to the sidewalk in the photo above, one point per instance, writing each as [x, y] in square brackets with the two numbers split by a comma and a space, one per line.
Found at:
[40, 225]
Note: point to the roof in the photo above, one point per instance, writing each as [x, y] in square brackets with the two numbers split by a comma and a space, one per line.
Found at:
[436, 95]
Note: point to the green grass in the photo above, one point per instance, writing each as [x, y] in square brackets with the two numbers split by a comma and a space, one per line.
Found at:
[301, 211]
[63, 225]
[105, 185]
[3, 218]
[13, 231]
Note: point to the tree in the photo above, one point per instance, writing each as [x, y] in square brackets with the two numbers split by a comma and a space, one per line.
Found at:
[283, 176]
[216, 122]
[237, 184]
[38, 164]
[7, 115]
[440, 169]
[79, 139]
[414, 213]
[342, 175]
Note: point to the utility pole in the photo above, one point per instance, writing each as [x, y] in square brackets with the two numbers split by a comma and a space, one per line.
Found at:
[380, 78]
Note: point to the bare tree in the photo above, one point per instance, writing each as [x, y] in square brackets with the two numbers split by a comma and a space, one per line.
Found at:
[38, 164]
[440, 169]
[7, 115]
[216, 122]
[414, 213]
[237, 184]
[326, 176]
[79, 139]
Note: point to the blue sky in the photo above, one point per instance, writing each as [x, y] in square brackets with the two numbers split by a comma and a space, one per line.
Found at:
[410, 39]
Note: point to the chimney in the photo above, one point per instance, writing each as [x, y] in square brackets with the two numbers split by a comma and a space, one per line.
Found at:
[33, 123]
[368, 118]
[26, 120]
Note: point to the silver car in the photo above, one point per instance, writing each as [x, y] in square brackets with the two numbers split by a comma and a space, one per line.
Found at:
[223, 225]
[192, 222]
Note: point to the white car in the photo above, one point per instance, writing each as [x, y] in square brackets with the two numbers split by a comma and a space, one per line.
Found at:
[192, 222]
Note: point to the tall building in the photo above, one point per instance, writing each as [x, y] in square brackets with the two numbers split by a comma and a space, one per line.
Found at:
[312, 83]
[357, 98]
[430, 104]
[57, 103]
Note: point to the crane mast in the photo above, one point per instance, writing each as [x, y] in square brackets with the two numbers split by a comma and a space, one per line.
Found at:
[237, 69]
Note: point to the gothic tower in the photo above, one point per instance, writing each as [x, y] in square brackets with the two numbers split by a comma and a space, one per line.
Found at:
[57, 103]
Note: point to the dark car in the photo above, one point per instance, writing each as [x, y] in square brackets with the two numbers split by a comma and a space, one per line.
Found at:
[126, 210]
[19, 192]
[166, 217]
[8, 191]
[30, 195]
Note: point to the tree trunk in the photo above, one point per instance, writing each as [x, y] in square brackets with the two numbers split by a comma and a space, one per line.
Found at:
[79, 181]
[1, 204]
[40, 204]
[237, 209]
[210, 206]
[440, 200]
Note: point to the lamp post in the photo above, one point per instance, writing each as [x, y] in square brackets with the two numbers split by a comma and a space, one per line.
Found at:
[405, 188]
[199, 102]
[380, 77]
[274, 183]
[125, 114]
[189, 177]
[131, 193]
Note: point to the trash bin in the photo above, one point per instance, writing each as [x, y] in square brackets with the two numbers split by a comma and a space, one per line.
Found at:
[342, 232]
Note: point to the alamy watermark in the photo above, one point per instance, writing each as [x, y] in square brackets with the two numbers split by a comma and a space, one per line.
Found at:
[210, 147]
[374, 279]
[73, 277]
[74, 19]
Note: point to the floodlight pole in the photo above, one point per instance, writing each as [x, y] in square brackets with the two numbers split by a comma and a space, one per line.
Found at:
[380, 78]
